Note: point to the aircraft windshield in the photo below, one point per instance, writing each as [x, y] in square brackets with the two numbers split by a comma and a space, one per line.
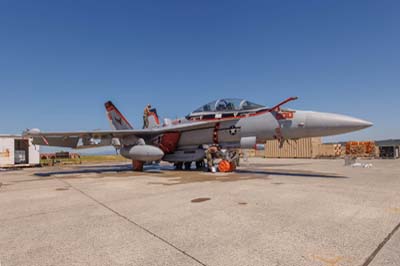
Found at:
[222, 105]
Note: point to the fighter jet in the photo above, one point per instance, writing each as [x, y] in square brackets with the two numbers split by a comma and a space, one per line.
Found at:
[230, 123]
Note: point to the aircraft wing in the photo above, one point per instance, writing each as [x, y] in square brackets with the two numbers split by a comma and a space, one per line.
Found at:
[87, 139]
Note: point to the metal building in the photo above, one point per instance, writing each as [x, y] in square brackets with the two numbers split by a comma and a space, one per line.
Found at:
[18, 151]
[389, 148]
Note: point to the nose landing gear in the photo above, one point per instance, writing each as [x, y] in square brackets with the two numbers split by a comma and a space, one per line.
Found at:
[188, 165]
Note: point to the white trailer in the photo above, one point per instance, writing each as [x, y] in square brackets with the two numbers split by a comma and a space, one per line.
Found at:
[16, 151]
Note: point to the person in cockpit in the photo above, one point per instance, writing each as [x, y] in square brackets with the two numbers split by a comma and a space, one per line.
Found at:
[221, 106]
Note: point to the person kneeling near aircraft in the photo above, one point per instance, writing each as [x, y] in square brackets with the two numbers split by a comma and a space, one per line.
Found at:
[213, 152]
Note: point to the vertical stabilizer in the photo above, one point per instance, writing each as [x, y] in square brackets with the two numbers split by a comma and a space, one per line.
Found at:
[117, 120]
[153, 118]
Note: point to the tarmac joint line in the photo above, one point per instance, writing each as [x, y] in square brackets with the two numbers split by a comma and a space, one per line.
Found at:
[380, 246]
[134, 223]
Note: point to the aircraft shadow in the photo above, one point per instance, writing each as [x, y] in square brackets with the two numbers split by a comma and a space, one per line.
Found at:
[298, 173]
[155, 169]
[89, 170]
[271, 164]
[103, 169]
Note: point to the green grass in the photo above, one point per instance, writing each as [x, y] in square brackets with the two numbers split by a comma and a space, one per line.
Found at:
[85, 159]
[102, 158]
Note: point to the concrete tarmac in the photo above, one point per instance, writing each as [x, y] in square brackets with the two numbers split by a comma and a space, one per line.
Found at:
[269, 212]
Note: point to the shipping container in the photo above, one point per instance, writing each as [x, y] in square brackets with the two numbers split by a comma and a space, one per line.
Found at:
[16, 150]
[6, 151]
[301, 148]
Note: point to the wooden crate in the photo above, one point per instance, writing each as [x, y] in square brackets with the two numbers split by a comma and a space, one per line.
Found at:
[329, 150]
[301, 148]
[361, 148]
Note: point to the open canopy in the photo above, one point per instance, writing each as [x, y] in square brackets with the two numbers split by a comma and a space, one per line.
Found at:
[222, 105]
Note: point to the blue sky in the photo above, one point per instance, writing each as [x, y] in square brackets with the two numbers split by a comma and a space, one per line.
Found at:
[61, 60]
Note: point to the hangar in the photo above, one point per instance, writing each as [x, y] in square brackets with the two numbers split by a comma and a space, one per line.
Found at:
[16, 151]
[389, 149]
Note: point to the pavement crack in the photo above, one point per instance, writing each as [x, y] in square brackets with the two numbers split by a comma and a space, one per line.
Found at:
[380, 246]
[134, 223]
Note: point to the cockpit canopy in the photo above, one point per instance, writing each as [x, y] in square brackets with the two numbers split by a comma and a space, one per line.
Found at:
[226, 105]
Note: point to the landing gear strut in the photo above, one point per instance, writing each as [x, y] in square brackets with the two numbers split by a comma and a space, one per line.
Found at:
[188, 165]
[137, 165]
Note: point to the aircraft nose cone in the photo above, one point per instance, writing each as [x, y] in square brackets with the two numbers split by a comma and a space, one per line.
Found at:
[332, 124]
[363, 123]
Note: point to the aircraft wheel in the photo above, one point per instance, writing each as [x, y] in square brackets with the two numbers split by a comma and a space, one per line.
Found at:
[188, 165]
[178, 166]
[199, 164]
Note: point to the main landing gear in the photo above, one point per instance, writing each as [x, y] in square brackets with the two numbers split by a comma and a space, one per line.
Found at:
[188, 165]
[137, 165]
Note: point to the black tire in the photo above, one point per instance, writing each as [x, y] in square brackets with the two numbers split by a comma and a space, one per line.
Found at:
[178, 166]
[199, 164]
[188, 165]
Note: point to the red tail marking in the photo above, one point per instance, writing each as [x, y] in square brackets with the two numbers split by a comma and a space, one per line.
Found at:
[110, 107]
[155, 117]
